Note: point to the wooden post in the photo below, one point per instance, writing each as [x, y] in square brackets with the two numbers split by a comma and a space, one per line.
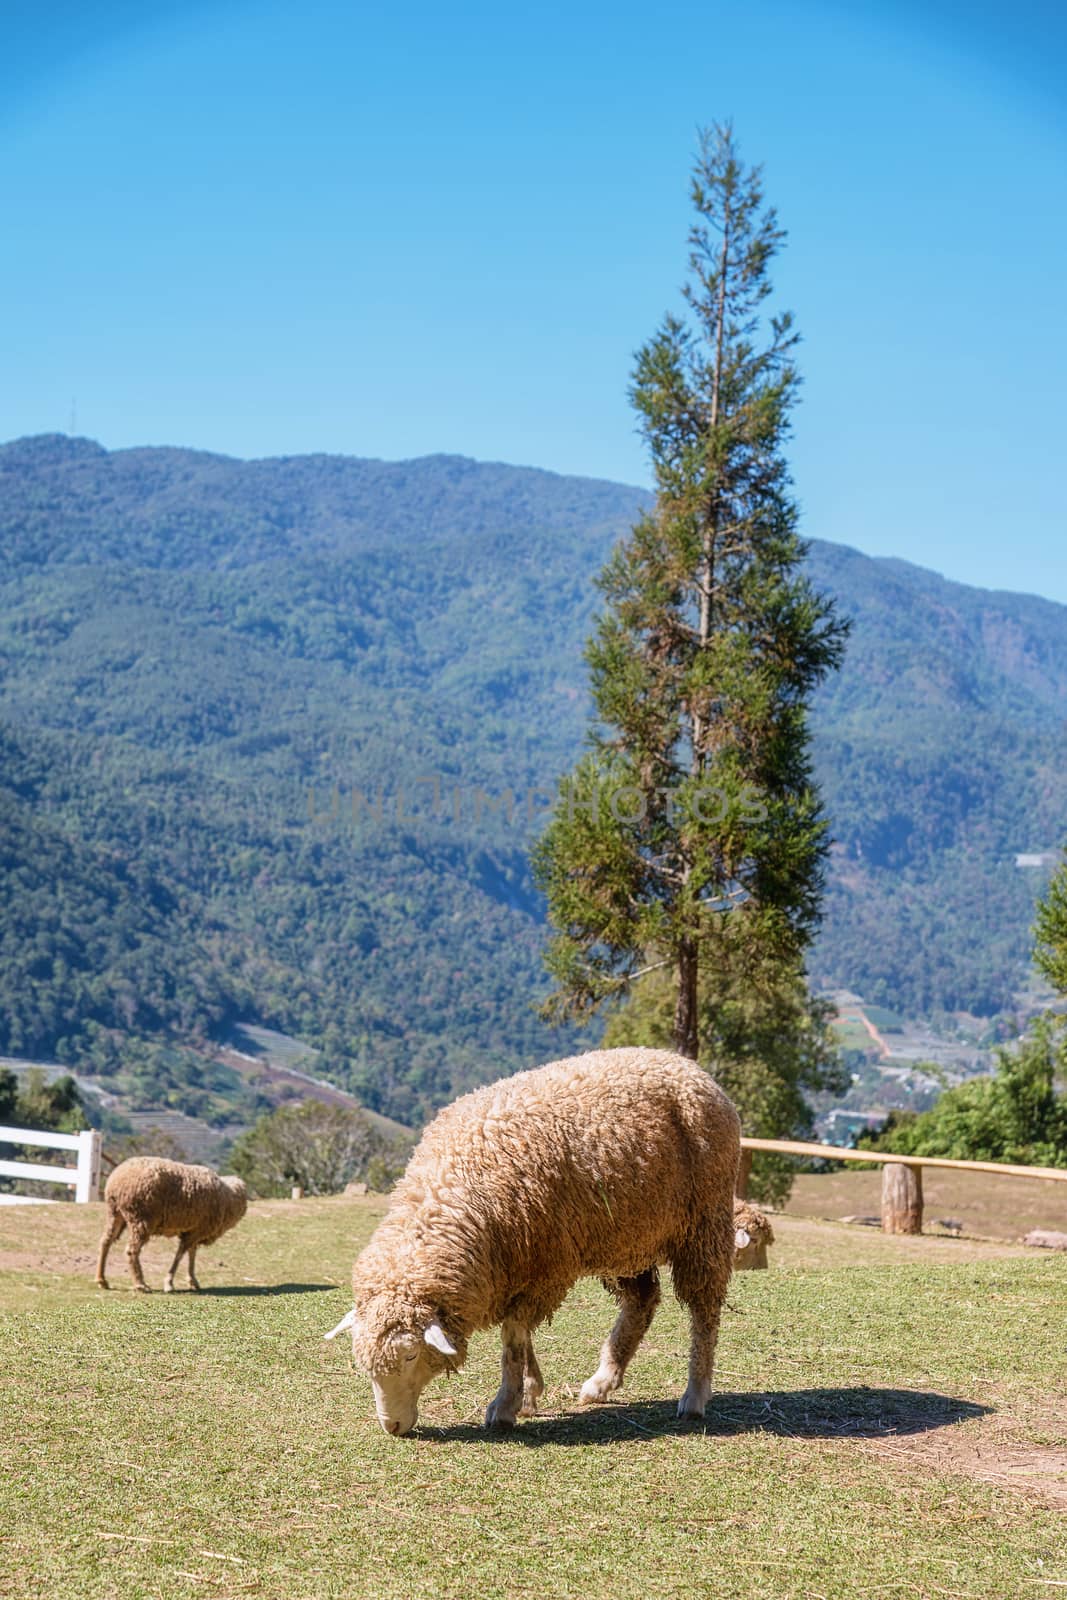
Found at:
[902, 1198]
[743, 1173]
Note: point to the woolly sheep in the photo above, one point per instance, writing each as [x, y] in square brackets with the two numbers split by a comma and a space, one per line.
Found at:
[753, 1233]
[607, 1165]
[151, 1196]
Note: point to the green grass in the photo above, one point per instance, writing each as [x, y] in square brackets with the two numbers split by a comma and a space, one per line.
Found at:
[852, 1035]
[885, 1021]
[889, 1419]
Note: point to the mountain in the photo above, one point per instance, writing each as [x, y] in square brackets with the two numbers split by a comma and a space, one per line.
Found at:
[942, 751]
[260, 722]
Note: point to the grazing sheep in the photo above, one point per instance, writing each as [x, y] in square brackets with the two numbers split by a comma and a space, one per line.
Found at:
[151, 1196]
[606, 1165]
[753, 1233]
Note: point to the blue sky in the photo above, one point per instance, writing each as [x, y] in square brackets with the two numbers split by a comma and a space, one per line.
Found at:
[269, 229]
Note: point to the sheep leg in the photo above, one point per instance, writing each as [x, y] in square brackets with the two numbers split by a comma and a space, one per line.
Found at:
[638, 1298]
[139, 1237]
[703, 1337]
[183, 1245]
[191, 1264]
[515, 1338]
[533, 1385]
[700, 1281]
[114, 1226]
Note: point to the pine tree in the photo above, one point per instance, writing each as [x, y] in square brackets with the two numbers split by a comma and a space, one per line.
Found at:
[696, 797]
[1051, 931]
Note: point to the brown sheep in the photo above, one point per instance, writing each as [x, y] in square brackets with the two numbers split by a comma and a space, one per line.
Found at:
[606, 1165]
[753, 1234]
[151, 1196]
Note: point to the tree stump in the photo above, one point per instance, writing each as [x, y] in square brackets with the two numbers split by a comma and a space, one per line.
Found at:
[902, 1198]
[743, 1173]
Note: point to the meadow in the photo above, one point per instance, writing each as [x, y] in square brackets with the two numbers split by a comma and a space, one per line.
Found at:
[890, 1418]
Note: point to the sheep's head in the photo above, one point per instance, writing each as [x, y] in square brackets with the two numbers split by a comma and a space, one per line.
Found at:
[239, 1197]
[400, 1356]
[752, 1234]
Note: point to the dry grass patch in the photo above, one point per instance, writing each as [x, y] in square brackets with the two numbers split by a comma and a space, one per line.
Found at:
[987, 1205]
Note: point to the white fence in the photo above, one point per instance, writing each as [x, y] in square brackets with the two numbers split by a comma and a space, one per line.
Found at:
[84, 1179]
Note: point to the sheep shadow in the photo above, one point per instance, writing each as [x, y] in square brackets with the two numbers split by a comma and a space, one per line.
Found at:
[847, 1413]
[268, 1288]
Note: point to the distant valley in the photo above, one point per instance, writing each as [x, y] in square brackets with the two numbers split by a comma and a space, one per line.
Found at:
[259, 722]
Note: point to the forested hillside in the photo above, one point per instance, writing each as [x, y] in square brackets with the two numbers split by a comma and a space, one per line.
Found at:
[942, 750]
[204, 663]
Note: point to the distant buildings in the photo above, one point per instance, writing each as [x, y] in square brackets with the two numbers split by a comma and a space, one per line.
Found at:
[843, 1127]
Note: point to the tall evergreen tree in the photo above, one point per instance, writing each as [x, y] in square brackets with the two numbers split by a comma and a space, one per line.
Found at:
[1051, 931]
[696, 796]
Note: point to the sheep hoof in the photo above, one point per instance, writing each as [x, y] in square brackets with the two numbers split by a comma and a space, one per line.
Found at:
[168, 1288]
[598, 1387]
[141, 1288]
[194, 1286]
[691, 1407]
[102, 1283]
[498, 1419]
[532, 1390]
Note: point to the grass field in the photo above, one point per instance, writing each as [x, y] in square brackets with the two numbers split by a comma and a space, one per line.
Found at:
[890, 1419]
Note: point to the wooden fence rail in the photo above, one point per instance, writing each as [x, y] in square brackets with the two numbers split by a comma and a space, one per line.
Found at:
[902, 1184]
[84, 1178]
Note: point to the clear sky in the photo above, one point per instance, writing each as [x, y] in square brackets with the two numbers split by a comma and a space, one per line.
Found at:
[272, 228]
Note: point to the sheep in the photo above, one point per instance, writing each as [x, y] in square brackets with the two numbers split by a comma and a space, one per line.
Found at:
[151, 1196]
[607, 1165]
[753, 1233]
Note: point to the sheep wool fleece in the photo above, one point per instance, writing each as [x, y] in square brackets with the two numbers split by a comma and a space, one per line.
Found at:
[606, 1164]
[152, 1196]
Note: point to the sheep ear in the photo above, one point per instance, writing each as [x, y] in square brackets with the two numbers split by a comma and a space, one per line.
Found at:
[742, 1238]
[346, 1321]
[436, 1336]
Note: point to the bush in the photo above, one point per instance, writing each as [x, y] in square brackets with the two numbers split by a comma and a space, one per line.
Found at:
[1018, 1115]
[320, 1147]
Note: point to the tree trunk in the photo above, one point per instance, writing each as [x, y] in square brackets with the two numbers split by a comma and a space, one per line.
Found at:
[710, 533]
[902, 1198]
[744, 1172]
[686, 1026]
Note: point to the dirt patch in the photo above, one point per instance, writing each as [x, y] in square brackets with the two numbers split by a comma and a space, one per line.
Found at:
[61, 1241]
[33, 1261]
[801, 1243]
[987, 1205]
[1000, 1449]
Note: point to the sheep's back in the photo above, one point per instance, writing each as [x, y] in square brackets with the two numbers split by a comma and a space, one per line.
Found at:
[170, 1197]
[600, 1161]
